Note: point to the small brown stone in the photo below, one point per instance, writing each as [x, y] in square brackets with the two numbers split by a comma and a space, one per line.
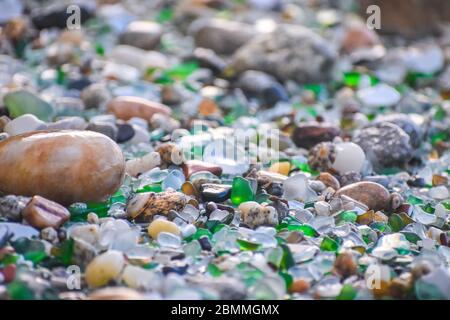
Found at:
[358, 36]
[294, 237]
[372, 194]
[170, 154]
[127, 107]
[421, 268]
[405, 208]
[299, 286]
[400, 287]
[3, 122]
[208, 107]
[192, 166]
[439, 180]
[42, 213]
[329, 180]
[307, 135]
[345, 265]
[381, 291]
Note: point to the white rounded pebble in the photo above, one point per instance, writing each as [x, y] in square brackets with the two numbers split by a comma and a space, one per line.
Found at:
[140, 165]
[24, 123]
[188, 230]
[349, 157]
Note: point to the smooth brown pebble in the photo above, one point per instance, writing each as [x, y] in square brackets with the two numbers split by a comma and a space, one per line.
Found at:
[372, 194]
[42, 213]
[299, 286]
[307, 135]
[64, 166]
[329, 180]
[127, 107]
[345, 264]
[192, 166]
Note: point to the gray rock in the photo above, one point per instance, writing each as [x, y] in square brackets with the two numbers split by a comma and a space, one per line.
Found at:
[83, 252]
[385, 144]
[383, 180]
[253, 81]
[207, 58]
[349, 178]
[95, 95]
[263, 86]
[142, 34]
[405, 122]
[11, 207]
[221, 36]
[69, 123]
[18, 230]
[107, 129]
[289, 52]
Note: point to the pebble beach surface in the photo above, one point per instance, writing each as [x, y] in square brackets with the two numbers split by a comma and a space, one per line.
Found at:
[222, 150]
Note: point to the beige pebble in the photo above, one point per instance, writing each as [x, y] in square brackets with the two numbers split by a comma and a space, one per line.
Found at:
[371, 194]
[329, 180]
[104, 268]
[136, 166]
[161, 225]
[127, 107]
[64, 166]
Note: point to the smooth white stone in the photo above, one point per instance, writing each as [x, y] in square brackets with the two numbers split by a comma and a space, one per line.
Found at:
[349, 157]
[188, 230]
[23, 124]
